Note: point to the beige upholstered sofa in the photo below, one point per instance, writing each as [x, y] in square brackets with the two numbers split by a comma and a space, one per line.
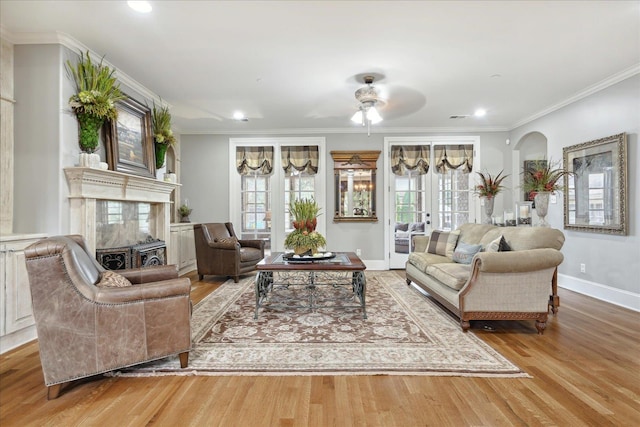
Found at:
[517, 284]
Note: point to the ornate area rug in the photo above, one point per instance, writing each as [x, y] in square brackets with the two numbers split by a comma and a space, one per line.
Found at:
[405, 334]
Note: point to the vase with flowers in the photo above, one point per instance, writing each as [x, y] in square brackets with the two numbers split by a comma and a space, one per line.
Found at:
[540, 180]
[184, 211]
[304, 239]
[487, 189]
[163, 136]
[97, 91]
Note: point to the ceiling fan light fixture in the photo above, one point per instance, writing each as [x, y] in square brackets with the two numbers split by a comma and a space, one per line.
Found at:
[373, 116]
[368, 98]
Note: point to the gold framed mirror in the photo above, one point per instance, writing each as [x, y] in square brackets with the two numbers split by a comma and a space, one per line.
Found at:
[355, 185]
[595, 194]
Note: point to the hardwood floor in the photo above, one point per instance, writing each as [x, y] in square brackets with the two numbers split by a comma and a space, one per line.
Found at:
[585, 368]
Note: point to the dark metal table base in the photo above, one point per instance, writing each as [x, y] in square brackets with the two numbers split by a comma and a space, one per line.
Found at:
[345, 291]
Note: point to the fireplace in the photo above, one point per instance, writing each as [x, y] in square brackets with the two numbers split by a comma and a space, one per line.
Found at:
[142, 254]
[150, 198]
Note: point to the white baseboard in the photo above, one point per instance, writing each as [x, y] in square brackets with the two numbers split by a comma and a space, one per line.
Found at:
[599, 291]
[17, 338]
[375, 264]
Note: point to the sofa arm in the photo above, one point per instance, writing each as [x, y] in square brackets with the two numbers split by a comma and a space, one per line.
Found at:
[517, 261]
[420, 243]
[258, 244]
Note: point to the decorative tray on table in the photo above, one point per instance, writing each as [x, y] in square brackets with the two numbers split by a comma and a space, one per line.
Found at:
[319, 256]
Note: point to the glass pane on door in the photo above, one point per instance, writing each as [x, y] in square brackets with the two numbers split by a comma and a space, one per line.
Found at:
[411, 201]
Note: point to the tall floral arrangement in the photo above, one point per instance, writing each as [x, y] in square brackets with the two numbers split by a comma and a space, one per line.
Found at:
[304, 238]
[162, 134]
[97, 91]
[489, 186]
[543, 176]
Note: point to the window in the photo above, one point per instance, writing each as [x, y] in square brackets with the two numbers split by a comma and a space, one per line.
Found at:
[270, 172]
[255, 204]
[453, 199]
[411, 198]
[298, 185]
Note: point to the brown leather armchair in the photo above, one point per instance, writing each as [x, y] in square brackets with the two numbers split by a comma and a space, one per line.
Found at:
[219, 252]
[85, 329]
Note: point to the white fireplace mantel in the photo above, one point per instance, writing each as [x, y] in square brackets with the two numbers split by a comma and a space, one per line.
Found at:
[87, 185]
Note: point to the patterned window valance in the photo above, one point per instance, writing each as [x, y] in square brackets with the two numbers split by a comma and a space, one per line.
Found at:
[449, 157]
[249, 159]
[410, 157]
[301, 158]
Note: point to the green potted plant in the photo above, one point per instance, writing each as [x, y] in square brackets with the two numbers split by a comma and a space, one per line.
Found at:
[162, 133]
[184, 211]
[304, 239]
[97, 92]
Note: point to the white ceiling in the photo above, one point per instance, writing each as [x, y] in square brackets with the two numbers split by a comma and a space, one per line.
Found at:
[295, 65]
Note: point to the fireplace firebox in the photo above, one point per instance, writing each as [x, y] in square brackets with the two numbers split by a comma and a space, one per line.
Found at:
[142, 254]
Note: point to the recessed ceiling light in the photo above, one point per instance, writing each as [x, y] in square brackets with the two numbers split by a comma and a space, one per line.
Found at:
[239, 115]
[140, 6]
[480, 112]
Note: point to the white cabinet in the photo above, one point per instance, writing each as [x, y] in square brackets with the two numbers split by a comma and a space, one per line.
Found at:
[17, 325]
[183, 247]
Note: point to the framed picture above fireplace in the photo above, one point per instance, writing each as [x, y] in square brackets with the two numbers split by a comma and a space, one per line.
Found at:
[129, 140]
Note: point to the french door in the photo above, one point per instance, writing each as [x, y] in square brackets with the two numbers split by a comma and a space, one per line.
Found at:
[411, 207]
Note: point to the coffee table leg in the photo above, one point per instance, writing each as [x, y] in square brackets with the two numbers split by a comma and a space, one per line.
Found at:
[264, 280]
[360, 289]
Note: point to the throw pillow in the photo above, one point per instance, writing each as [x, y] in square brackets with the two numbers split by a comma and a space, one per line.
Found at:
[110, 279]
[464, 252]
[498, 245]
[226, 240]
[443, 242]
[504, 246]
[402, 226]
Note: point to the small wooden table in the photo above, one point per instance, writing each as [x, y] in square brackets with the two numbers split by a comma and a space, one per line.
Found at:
[310, 269]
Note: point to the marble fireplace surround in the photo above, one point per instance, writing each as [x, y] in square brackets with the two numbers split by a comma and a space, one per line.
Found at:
[87, 186]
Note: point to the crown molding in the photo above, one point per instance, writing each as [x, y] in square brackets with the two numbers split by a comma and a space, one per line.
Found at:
[314, 131]
[71, 43]
[590, 90]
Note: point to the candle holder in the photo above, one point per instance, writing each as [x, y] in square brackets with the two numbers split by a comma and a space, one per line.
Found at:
[509, 218]
[523, 212]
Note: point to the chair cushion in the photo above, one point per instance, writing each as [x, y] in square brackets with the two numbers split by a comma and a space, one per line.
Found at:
[464, 252]
[421, 260]
[110, 279]
[443, 242]
[451, 274]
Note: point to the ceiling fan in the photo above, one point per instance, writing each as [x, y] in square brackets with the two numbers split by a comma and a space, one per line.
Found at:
[369, 99]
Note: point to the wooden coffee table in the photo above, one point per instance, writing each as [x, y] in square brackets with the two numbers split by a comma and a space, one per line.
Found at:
[314, 274]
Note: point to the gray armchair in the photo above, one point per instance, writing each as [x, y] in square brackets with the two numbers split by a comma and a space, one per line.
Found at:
[85, 329]
[219, 252]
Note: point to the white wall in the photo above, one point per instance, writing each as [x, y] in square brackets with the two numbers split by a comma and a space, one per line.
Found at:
[611, 261]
